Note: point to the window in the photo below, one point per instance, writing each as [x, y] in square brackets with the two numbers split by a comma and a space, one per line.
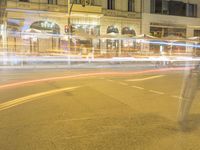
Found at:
[131, 5]
[171, 7]
[166, 32]
[177, 8]
[197, 33]
[191, 10]
[77, 1]
[24, 0]
[52, 2]
[127, 30]
[112, 29]
[111, 4]
[165, 9]
[158, 6]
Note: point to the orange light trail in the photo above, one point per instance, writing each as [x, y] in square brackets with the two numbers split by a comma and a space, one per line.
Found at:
[113, 73]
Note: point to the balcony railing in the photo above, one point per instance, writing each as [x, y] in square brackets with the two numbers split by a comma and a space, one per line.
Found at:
[118, 13]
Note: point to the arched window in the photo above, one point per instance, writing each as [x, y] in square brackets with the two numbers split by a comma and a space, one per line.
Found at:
[112, 29]
[127, 30]
[46, 26]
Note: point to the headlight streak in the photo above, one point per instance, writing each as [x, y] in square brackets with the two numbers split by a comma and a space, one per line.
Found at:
[92, 74]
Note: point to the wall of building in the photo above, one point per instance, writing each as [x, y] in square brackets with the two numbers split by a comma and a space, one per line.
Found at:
[189, 23]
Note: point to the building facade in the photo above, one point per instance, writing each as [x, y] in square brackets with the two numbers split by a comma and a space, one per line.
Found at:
[31, 24]
[164, 18]
[27, 18]
[171, 19]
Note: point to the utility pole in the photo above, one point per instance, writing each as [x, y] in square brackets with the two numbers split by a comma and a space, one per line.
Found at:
[69, 10]
[3, 30]
[141, 14]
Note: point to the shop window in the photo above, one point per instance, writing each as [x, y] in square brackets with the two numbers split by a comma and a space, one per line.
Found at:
[165, 32]
[89, 29]
[197, 33]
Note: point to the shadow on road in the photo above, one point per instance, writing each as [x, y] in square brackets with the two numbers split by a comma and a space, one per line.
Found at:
[192, 123]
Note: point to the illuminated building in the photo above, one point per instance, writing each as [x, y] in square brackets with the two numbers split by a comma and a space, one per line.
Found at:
[30, 23]
[171, 19]
[41, 25]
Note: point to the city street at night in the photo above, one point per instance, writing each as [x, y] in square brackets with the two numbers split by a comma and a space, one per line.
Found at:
[95, 110]
[99, 74]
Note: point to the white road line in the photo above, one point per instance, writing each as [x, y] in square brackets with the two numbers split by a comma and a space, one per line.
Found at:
[156, 92]
[122, 83]
[143, 79]
[110, 80]
[22, 100]
[178, 97]
[138, 87]
[102, 78]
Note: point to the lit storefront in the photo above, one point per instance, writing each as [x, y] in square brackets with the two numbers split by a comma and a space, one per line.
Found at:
[128, 44]
[171, 34]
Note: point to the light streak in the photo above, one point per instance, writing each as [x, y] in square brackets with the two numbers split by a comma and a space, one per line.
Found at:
[28, 82]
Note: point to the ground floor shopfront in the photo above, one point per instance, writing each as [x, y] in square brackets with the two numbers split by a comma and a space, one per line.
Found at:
[173, 29]
[43, 33]
[96, 34]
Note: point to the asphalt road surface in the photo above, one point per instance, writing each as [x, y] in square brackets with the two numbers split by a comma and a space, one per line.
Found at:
[94, 110]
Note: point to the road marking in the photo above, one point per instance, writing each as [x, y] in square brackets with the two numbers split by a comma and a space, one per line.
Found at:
[110, 80]
[148, 78]
[156, 92]
[174, 96]
[122, 83]
[138, 87]
[29, 98]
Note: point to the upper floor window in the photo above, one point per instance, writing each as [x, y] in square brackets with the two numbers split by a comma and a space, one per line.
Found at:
[77, 2]
[159, 6]
[131, 5]
[172, 7]
[52, 2]
[192, 10]
[24, 0]
[111, 4]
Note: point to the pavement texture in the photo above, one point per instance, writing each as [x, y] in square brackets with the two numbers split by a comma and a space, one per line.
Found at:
[102, 112]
